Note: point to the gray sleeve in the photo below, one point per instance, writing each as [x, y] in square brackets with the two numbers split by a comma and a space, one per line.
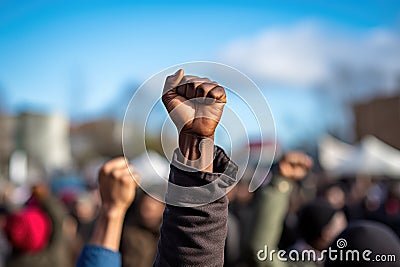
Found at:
[195, 236]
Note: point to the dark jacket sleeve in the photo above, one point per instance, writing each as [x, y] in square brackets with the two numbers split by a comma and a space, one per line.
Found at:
[195, 236]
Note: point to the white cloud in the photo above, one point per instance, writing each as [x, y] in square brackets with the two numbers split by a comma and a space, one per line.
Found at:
[308, 54]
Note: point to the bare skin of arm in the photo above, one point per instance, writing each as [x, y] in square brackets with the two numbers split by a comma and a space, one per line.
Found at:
[117, 189]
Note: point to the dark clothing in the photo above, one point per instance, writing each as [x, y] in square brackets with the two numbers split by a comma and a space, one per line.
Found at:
[360, 236]
[195, 236]
[139, 239]
[138, 246]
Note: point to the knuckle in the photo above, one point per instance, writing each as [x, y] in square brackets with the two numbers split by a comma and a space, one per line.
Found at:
[120, 160]
[181, 89]
[106, 168]
[122, 179]
[115, 173]
[217, 92]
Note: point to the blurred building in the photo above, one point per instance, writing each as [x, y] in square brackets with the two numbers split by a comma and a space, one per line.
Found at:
[7, 143]
[379, 117]
[94, 139]
[103, 138]
[45, 139]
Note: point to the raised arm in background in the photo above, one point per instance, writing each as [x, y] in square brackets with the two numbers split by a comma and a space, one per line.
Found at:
[273, 205]
[117, 190]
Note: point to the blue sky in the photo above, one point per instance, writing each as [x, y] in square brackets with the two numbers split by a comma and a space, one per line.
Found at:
[78, 56]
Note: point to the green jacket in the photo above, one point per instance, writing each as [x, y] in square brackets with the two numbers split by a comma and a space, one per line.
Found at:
[272, 208]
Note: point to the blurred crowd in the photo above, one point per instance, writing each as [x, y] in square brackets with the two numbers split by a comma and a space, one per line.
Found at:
[48, 223]
[295, 211]
[51, 227]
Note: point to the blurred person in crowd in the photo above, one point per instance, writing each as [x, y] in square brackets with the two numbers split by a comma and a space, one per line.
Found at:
[4, 245]
[35, 232]
[392, 206]
[382, 203]
[303, 191]
[363, 236]
[375, 198]
[319, 222]
[85, 212]
[141, 231]
[363, 195]
[241, 212]
[335, 195]
[189, 235]
[273, 203]
[373, 205]
[117, 190]
[78, 225]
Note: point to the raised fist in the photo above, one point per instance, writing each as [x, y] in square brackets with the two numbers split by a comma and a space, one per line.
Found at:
[194, 104]
[295, 165]
[117, 186]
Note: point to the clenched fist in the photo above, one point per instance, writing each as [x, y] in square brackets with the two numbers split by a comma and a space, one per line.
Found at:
[295, 165]
[117, 190]
[117, 186]
[194, 104]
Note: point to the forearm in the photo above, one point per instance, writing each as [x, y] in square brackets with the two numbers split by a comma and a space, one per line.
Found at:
[117, 191]
[108, 229]
[195, 236]
[103, 247]
[195, 218]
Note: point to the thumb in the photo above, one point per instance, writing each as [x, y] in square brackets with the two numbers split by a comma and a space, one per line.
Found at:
[173, 80]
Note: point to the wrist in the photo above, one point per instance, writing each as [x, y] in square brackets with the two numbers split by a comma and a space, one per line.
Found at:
[197, 151]
[112, 213]
[108, 229]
